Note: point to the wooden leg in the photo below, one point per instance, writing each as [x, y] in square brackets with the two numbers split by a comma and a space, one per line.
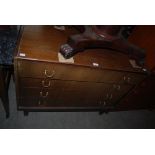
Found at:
[13, 76]
[26, 113]
[103, 112]
[4, 84]
[5, 101]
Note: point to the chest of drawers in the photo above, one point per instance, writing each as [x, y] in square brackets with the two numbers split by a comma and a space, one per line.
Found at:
[94, 80]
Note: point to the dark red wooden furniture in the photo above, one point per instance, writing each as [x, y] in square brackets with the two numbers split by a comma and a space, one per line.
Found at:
[97, 79]
[101, 36]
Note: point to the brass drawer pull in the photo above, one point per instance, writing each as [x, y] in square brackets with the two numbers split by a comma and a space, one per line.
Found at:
[128, 79]
[119, 87]
[46, 85]
[41, 94]
[114, 86]
[49, 75]
[111, 96]
[103, 103]
[124, 78]
[39, 102]
[107, 96]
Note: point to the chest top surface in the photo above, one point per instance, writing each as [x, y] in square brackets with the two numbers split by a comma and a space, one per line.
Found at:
[42, 43]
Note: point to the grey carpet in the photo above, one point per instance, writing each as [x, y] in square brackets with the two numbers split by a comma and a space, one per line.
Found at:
[73, 120]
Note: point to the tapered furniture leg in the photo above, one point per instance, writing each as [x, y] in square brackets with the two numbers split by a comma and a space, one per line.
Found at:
[5, 101]
[26, 113]
[5, 75]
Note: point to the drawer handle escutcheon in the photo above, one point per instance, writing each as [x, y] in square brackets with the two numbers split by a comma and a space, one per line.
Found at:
[128, 79]
[119, 87]
[49, 75]
[111, 96]
[44, 85]
[103, 103]
[39, 102]
[107, 96]
[41, 94]
[124, 78]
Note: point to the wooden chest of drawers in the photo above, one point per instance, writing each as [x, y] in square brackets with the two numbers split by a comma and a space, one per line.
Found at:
[93, 80]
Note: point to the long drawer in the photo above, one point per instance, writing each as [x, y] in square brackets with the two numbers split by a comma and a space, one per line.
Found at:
[69, 89]
[35, 69]
[65, 93]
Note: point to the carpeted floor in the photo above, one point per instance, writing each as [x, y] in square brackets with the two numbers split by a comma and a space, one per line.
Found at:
[69, 120]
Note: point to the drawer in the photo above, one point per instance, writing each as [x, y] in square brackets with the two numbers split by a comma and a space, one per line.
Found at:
[71, 101]
[68, 88]
[34, 69]
[61, 85]
[67, 93]
[39, 83]
[54, 104]
[35, 92]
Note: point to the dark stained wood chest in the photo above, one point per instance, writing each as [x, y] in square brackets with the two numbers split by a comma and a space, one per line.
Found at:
[97, 79]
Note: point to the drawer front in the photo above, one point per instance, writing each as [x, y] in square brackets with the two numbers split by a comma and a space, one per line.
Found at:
[66, 72]
[55, 100]
[39, 83]
[66, 93]
[34, 103]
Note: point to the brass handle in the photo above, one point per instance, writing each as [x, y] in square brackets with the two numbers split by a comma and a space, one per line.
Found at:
[102, 103]
[111, 96]
[114, 86]
[46, 85]
[39, 102]
[128, 79]
[124, 78]
[49, 75]
[119, 87]
[107, 96]
[41, 94]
